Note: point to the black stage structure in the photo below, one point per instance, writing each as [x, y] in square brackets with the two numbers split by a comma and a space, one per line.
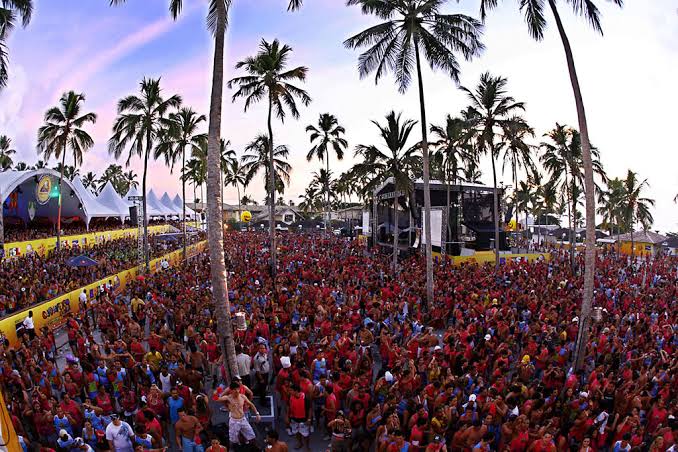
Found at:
[467, 224]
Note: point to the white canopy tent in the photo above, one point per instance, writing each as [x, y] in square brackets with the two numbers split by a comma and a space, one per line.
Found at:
[94, 208]
[110, 199]
[178, 202]
[153, 202]
[166, 201]
[151, 209]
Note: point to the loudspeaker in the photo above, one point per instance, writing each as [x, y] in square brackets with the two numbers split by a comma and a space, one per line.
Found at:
[133, 214]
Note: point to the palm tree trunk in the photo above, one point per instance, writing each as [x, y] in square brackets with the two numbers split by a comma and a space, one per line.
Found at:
[570, 195]
[215, 231]
[396, 243]
[495, 210]
[2, 227]
[147, 257]
[427, 190]
[328, 220]
[590, 256]
[573, 234]
[633, 245]
[183, 198]
[448, 229]
[61, 178]
[237, 187]
[271, 187]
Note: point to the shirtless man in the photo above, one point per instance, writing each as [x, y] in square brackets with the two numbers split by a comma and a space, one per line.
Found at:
[237, 422]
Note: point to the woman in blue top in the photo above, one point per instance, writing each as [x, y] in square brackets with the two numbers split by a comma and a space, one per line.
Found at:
[89, 434]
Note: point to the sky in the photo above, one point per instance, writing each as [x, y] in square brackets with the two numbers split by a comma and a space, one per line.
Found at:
[627, 78]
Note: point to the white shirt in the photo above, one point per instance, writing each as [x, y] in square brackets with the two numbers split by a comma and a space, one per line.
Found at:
[28, 323]
[244, 364]
[120, 436]
[83, 297]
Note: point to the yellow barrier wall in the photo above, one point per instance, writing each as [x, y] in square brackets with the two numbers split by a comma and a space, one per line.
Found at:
[42, 246]
[485, 257]
[639, 248]
[51, 313]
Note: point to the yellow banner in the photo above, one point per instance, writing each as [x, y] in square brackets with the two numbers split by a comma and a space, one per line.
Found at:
[52, 313]
[42, 246]
[485, 257]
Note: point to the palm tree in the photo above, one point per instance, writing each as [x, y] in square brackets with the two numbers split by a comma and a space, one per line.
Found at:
[69, 171]
[397, 161]
[518, 153]
[610, 204]
[248, 200]
[40, 164]
[562, 159]
[115, 176]
[217, 20]
[180, 132]
[6, 153]
[453, 151]
[257, 158]
[21, 166]
[636, 209]
[236, 175]
[536, 23]
[129, 180]
[472, 173]
[138, 125]
[268, 77]
[328, 134]
[63, 129]
[226, 156]
[410, 28]
[90, 181]
[492, 111]
[311, 199]
[10, 11]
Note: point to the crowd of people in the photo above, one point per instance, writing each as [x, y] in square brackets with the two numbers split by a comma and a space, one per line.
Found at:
[32, 278]
[19, 232]
[356, 360]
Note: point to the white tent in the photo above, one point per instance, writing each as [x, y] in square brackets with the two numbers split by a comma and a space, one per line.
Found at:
[178, 203]
[154, 203]
[166, 201]
[92, 207]
[152, 209]
[111, 200]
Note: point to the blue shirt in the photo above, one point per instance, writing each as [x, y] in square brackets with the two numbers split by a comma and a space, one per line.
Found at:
[174, 406]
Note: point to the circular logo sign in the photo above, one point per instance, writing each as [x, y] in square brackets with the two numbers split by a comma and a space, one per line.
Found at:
[246, 216]
[43, 189]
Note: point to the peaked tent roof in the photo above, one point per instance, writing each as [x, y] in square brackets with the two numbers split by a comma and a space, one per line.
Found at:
[131, 192]
[167, 202]
[153, 203]
[178, 202]
[93, 207]
[110, 199]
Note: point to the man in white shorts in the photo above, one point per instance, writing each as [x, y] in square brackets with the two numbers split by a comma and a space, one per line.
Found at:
[237, 422]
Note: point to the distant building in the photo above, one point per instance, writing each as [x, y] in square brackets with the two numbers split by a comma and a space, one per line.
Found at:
[643, 243]
[283, 214]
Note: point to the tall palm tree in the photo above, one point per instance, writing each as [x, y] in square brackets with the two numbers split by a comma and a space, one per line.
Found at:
[196, 173]
[518, 153]
[139, 124]
[63, 130]
[636, 208]
[453, 151]
[90, 181]
[180, 133]
[491, 112]
[397, 161]
[10, 11]
[562, 159]
[226, 156]
[217, 21]
[610, 207]
[413, 27]
[268, 77]
[113, 174]
[257, 158]
[6, 153]
[327, 137]
[536, 24]
[236, 175]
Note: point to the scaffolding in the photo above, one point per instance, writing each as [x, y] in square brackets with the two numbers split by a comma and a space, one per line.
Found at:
[139, 206]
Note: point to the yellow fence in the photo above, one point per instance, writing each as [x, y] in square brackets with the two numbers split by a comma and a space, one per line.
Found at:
[485, 257]
[52, 313]
[43, 246]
